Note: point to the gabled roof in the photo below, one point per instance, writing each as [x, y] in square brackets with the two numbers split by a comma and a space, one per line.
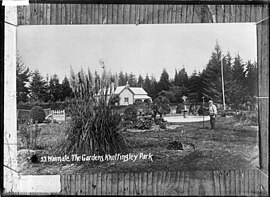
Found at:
[135, 91]
[141, 97]
[138, 91]
[119, 89]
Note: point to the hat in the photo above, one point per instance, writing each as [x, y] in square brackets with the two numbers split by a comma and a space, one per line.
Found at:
[210, 101]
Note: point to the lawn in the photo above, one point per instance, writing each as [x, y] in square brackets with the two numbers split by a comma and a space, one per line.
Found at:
[203, 149]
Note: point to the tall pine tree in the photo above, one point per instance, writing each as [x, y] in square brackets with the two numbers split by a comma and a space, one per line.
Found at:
[55, 88]
[22, 78]
[212, 76]
[238, 74]
[39, 88]
[66, 91]
[140, 81]
[164, 83]
[122, 81]
[251, 79]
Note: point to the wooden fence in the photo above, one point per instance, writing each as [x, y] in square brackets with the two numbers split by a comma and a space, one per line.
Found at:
[59, 115]
[202, 183]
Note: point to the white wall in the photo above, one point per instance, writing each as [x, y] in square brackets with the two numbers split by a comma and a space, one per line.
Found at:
[10, 120]
[126, 93]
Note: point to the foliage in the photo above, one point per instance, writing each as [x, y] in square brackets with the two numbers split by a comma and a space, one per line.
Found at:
[54, 88]
[195, 87]
[23, 116]
[39, 88]
[251, 78]
[201, 111]
[59, 105]
[22, 78]
[164, 82]
[65, 90]
[140, 81]
[24, 134]
[162, 105]
[122, 79]
[175, 145]
[239, 91]
[114, 99]
[94, 126]
[28, 134]
[132, 81]
[181, 78]
[247, 117]
[143, 123]
[179, 108]
[37, 114]
[130, 113]
[161, 122]
[240, 82]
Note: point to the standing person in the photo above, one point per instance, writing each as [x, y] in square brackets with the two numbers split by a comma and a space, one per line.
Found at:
[213, 114]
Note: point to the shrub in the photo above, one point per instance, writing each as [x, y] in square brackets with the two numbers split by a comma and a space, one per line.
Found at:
[23, 116]
[143, 123]
[179, 108]
[161, 122]
[166, 109]
[24, 134]
[247, 117]
[37, 114]
[130, 113]
[223, 113]
[28, 134]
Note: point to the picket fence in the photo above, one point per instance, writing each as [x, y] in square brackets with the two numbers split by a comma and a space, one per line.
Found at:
[59, 115]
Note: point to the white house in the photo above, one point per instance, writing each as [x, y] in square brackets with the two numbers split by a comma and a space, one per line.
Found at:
[128, 95]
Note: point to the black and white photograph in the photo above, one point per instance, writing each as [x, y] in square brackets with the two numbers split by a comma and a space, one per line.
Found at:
[132, 98]
[102, 105]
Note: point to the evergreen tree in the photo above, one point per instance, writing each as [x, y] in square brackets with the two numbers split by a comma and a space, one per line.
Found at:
[132, 81]
[229, 84]
[22, 78]
[147, 86]
[54, 88]
[66, 91]
[155, 87]
[177, 81]
[195, 87]
[183, 78]
[39, 88]
[211, 76]
[140, 81]
[121, 79]
[251, 79]
[238, 74]
[164, 83]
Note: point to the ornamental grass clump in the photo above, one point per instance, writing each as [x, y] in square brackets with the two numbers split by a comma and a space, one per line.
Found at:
[94, 126]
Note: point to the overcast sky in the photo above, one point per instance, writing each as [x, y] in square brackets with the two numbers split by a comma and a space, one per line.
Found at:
[138, 49]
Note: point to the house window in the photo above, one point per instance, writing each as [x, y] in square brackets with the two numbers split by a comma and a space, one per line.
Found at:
[126, 99]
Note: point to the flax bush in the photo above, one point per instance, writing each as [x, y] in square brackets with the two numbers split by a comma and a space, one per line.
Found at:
[94, 126]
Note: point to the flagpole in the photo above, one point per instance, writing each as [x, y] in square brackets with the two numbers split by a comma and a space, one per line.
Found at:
[222, 80]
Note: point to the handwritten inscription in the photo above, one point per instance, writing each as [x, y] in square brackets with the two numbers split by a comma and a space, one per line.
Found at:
[88, 158]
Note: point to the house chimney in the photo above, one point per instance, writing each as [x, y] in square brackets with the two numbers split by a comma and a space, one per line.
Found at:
[127, 85]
